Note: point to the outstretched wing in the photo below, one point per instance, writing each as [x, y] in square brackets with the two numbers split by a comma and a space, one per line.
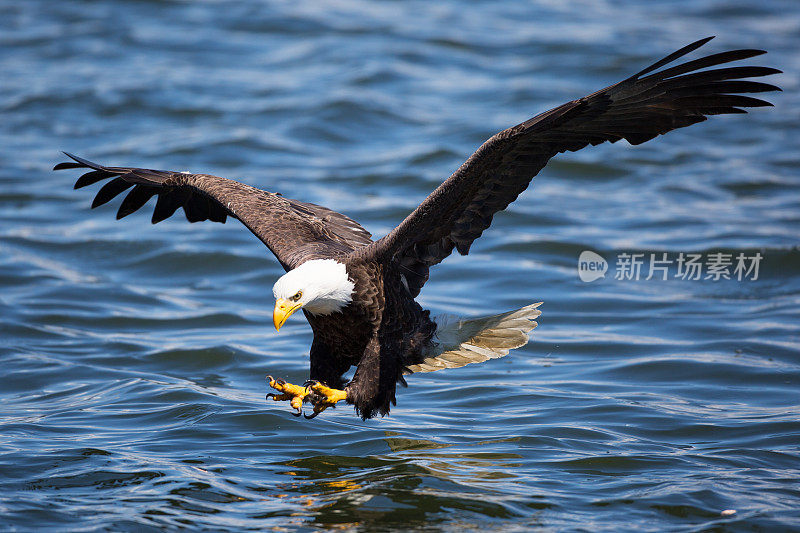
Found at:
[637, 109]
[294, 231]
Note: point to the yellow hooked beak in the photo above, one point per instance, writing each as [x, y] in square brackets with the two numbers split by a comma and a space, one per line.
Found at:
[283, 310]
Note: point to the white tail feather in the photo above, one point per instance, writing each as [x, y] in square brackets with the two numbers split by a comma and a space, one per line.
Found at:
[460, 341]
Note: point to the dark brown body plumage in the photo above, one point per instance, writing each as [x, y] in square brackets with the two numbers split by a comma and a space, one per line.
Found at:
[383, 329]
[381, 332]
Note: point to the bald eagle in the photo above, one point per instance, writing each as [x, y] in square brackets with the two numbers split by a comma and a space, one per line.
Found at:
[358, 294]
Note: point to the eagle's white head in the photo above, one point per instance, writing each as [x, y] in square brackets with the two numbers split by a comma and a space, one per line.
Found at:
[321, 286]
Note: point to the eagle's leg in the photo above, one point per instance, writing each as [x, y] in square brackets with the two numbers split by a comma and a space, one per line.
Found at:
[323, 396]
[294, 393]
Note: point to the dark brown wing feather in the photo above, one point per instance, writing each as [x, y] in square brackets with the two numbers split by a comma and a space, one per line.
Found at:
[294, 231]
[636, 109]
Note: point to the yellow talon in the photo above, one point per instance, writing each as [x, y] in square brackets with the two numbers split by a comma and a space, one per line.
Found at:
[330, 395]
[294, 393]
[323, 397]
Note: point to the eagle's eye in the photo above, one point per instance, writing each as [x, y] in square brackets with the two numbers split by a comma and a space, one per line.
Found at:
[297, 296]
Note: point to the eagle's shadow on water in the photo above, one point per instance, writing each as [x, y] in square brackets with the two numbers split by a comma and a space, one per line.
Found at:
[419, 483]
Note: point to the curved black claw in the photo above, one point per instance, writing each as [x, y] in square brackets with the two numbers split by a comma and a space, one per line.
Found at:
[310, 382]
[270, 395]
[317, 411]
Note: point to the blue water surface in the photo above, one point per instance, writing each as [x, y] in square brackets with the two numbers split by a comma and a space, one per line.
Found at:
[133, 356]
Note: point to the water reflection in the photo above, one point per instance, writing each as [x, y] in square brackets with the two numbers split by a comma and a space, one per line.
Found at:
[416, 484]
